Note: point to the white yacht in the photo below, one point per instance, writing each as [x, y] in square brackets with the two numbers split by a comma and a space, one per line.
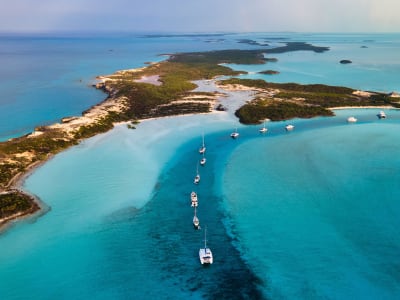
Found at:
[351, 119]
[205, 253]
[203, 147]
[235, 134]
[194, 199]
[196, 221]
[382, 115]
[289, 127]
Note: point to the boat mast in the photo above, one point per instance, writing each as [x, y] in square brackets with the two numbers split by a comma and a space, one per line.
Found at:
[205, 238]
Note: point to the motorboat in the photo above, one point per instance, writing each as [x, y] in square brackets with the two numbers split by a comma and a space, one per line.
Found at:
[194, 199]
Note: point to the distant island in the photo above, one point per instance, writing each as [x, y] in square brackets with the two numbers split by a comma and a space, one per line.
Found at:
[252, 42]
[166, 89]
[269, 72]
[345, 61]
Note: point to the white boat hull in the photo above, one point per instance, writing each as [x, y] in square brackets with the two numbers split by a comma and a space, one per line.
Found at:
[289, 127]
[193, 198]
[206, 257]
[351, 120]
[196, 222]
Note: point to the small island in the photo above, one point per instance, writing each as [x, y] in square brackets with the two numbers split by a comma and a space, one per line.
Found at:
[252, 42]
[345, 61]
[269, 72]
[167, 89]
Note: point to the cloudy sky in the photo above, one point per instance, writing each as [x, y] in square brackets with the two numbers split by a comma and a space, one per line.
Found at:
[200, 15]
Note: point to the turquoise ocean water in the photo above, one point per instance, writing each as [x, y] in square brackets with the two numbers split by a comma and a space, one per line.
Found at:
[309, 214]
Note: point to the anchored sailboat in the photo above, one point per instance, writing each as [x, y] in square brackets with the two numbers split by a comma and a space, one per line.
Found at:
[205, 253]
[197, 177]
[196, 221]
[263, 129]
[203, 161]
[235, 134]
[203, 147]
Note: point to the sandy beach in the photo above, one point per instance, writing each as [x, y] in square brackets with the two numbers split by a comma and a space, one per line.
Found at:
[230, 96]
[69, 125]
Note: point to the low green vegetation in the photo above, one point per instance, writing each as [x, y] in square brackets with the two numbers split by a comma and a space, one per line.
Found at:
[140, 100]
[269, 72]
[50, 142]
[14, 202]
[254, 113]
[293, 87]
[302, 101]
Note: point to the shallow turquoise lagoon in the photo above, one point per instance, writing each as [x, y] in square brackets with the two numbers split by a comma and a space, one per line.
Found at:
[317, 213]
[307, 214]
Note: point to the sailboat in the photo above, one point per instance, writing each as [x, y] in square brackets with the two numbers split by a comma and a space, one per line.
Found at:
[194, 199]
[205, 253]
[203, 147]
[235, 134]
[263, 129]
[381, 115]
[196, 221]
[197, 177]
[203, 160]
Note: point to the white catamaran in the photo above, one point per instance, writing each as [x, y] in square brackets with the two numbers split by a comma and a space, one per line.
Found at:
[235, 134]
[205, 253]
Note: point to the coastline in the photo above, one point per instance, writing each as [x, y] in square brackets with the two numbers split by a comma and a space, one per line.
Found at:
[39, 207]
[69, 125]
[123, 108]
[357, 107]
